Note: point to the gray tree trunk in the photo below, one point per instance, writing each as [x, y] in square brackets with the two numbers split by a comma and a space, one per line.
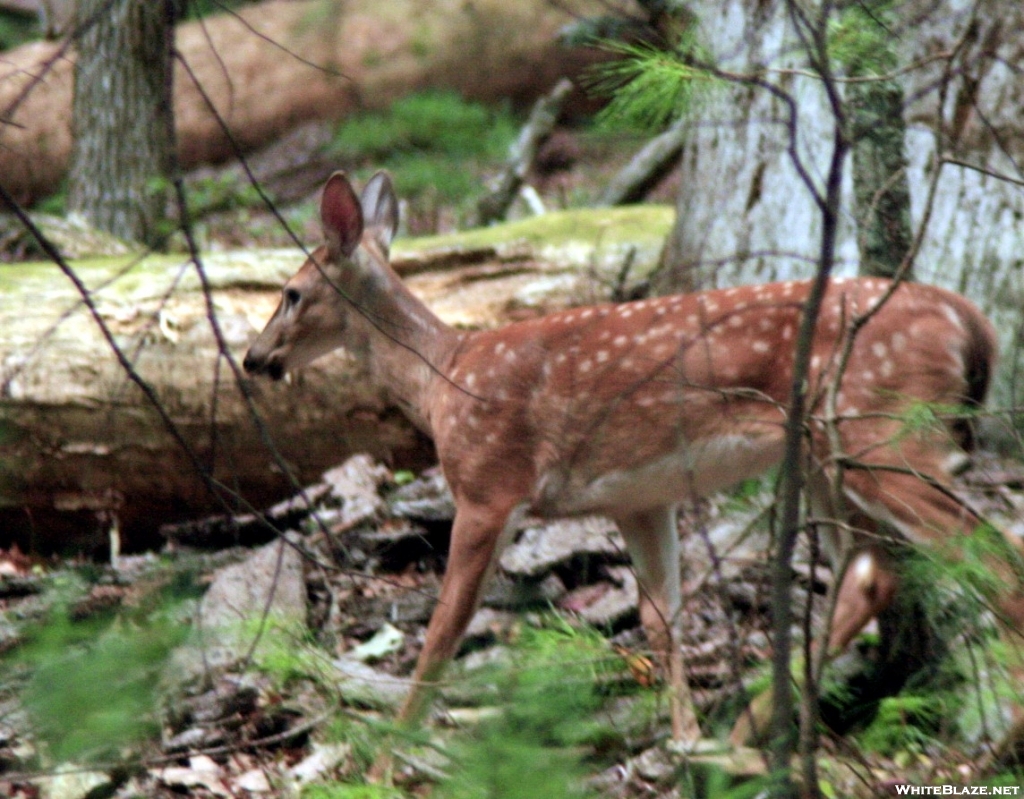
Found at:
[744, 216]
[123, 151]
[881, 193]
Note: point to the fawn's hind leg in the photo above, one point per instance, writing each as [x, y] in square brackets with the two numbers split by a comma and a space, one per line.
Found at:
[653, 543]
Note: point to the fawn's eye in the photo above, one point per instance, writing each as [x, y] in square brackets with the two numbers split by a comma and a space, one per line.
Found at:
[292, 297]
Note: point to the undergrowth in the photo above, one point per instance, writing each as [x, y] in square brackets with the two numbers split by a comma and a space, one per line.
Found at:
[432, 142]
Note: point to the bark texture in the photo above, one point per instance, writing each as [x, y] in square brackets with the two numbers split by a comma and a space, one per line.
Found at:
[744, 215]
[123, 150]
[881, 194]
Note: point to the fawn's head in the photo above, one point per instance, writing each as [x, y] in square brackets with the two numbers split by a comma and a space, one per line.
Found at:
[317, 301]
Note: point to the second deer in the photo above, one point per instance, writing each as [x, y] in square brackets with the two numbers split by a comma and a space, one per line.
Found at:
[629, 410]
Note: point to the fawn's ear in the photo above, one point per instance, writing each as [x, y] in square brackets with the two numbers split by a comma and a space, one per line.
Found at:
[341, 216]
[380, 209]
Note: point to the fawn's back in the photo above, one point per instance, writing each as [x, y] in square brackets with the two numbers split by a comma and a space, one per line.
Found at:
[619, 407]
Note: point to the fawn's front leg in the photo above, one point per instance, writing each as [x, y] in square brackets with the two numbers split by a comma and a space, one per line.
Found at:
[653, 543]
[477, 534]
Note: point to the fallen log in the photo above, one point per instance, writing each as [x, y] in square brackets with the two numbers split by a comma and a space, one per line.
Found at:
[83, 448]
[268, 67]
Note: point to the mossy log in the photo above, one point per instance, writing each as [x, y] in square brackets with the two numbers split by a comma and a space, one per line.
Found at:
[82, 445]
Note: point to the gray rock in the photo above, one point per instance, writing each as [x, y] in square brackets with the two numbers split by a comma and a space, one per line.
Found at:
[426, 498]
[268, 584]
[363, 685]
[540, 548]
[615, 603]
[356, 484]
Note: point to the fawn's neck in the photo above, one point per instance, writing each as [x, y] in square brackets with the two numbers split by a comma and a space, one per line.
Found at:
[405, 344]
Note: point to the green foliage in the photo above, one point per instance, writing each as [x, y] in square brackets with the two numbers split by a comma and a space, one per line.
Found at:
[860, 38]
[17, 29]
[197, 9]
[221, 193]
[426, 139]
[529, 750]
[905, 722]
[93, 684]
[649, 87]
[338, 791]
[287, 655]
[957, 578]
[718, 784]
[932, 417]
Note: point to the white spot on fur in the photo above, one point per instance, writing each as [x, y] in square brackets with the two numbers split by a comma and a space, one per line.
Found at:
[864, 570]
[760, 346]
[952, 315]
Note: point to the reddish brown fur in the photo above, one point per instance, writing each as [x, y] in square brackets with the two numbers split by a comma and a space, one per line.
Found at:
[628, 410]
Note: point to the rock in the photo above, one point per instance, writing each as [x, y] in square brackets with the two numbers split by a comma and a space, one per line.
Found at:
[356, 484]
[323, 759]
[426, 499]
[655, 765]
[611, 603]
[365, 686]
[72, 782]
[539, 549]
[268, 584]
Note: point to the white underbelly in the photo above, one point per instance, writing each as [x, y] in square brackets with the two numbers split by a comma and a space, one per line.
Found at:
[693, 470]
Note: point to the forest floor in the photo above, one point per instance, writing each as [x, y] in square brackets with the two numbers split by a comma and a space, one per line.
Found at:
[264, 655]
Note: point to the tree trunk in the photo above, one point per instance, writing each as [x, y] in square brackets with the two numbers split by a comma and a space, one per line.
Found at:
[744, 216]
[123, 151]
[881, 193]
